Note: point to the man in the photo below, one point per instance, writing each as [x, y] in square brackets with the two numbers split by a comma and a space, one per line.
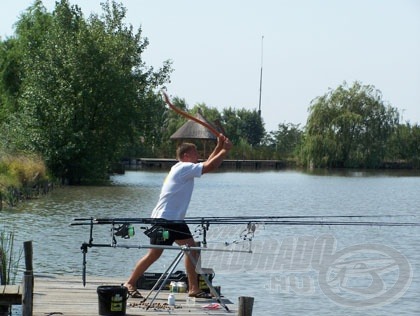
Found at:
[173, 203]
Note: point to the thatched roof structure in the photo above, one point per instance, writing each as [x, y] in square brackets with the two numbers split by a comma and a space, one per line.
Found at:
[193, 130]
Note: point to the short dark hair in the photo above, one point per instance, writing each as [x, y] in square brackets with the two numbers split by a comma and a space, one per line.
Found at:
[184, 148]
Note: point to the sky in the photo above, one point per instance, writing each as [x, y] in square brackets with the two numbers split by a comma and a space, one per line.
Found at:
[304, 48]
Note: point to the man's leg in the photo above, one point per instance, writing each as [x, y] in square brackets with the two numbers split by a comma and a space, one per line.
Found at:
[142, 265]
[190, 267]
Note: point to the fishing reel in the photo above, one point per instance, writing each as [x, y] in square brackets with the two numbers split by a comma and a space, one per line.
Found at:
[125, 231]
[157, 233]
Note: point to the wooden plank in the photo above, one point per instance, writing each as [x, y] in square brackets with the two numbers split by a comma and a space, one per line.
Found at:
[67, 295]
[10, 294]
[10, 289]
[28, 293]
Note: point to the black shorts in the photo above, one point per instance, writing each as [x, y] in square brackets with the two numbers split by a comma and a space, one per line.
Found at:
[167, 233]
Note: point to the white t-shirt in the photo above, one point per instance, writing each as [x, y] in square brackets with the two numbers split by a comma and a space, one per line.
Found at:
[176, 192]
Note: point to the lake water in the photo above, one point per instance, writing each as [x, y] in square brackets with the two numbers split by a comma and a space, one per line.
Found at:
[292, 270]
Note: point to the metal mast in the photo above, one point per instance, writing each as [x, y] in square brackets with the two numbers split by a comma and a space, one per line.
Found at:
[262, 50]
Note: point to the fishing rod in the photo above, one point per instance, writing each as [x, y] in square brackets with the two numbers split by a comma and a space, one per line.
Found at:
[123, 227]
[189, 116]
[266, 220]
[125, 230]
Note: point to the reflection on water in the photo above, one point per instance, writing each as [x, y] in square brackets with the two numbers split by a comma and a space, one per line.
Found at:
[316, 193]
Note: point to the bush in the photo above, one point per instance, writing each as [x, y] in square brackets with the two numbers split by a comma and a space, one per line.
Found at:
[26, 170]
[19, 174]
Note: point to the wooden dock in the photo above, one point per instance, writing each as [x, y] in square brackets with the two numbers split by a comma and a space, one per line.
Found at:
[165, 164]
[65, 295]
[10, 294]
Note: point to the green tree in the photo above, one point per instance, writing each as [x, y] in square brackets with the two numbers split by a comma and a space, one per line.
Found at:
[286, 139]
[211, 114]
[243, 124]
[414, 149]
[348, 127]
[252, 126]
[85, 88]
[404, 145]
[10, 78]
[171, 123]
[231, 124]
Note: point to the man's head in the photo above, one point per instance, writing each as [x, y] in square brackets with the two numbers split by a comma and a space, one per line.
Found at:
[187, 152]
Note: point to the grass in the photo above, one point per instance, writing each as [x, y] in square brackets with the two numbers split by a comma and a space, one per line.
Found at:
[18, 175]
[9, 260]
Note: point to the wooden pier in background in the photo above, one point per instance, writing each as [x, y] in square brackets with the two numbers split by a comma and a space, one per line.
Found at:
[164, 164]
[66, 295]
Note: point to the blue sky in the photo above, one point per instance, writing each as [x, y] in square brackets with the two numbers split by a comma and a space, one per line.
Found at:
[309, 47]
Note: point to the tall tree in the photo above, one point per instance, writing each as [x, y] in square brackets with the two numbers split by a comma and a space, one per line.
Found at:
[243, 124]
[404, 145]
[10, 77]
[86, 87]
[348, 127]
[287, 139]
[172, 122]
[252, 126]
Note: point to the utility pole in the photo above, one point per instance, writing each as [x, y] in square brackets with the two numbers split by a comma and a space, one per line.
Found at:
[262, 51]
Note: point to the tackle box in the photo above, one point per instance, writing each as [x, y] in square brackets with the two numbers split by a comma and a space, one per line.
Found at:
[149, 279]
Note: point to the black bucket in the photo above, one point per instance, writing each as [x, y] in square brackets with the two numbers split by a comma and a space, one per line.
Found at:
[112, 300]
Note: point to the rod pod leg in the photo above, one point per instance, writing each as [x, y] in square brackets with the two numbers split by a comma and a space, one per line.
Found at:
[206, 279]
[168, 273]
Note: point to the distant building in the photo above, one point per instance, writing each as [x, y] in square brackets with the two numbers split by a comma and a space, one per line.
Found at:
[197, 134]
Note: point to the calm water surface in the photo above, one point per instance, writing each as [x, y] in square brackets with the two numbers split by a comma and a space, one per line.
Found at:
[375, 270]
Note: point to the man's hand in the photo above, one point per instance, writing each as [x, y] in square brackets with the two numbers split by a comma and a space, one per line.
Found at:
[227, 145]
[223, 142]
[216, 157]
[220, 140]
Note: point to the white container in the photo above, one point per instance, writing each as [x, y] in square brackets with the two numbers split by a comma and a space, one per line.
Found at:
[171, 300]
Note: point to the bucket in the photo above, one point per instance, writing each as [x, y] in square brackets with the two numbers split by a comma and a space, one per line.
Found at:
[112, 300]
[181, 286]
